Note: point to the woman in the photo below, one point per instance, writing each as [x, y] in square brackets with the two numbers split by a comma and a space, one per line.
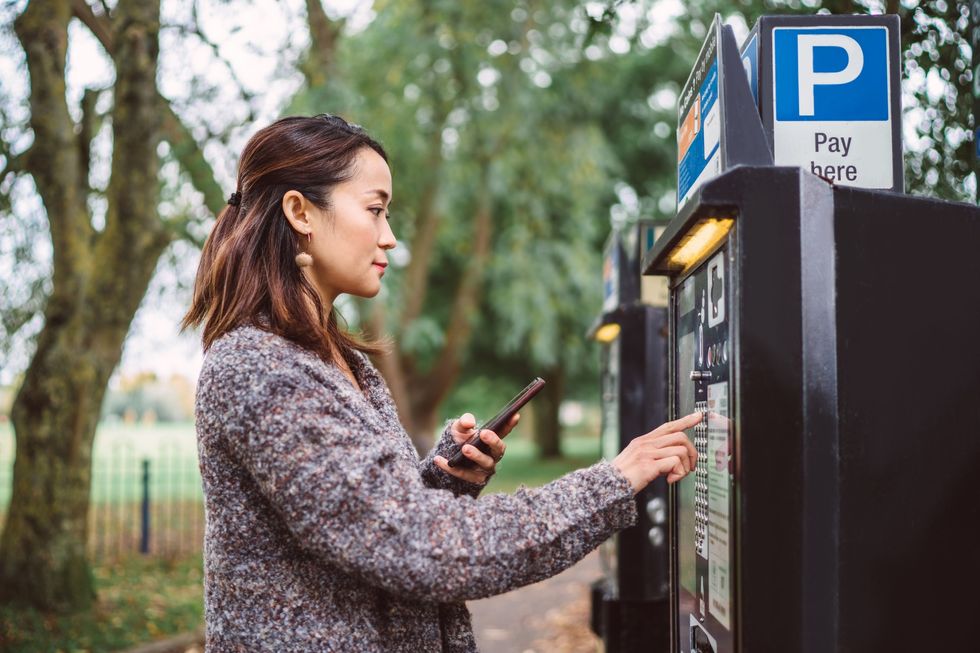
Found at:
[325, 532]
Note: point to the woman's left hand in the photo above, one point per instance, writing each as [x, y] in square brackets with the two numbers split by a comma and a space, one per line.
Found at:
[484, 465]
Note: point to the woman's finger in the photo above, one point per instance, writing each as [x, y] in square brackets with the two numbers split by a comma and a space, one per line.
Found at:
[509, 426]
[672, 439]
[467, 474]
[496, 445]
[673, 477]
[672, 467]
[681, 424]
[679, 471]
[678, 451]
[481, 459]
[463, 427]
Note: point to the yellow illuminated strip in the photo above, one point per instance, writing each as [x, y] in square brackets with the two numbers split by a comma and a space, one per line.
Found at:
[607, 333]
[699, 240]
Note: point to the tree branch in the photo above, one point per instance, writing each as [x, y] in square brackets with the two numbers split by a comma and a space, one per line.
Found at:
[194, 29]
[100, 26]
[52, 159]
[14, 163]
[87, 130]
[324, 34]
[424, 239]
[443, 374]
[134, 237]
[185, 148]
[389, 365]
[180, 230]
[191, 158]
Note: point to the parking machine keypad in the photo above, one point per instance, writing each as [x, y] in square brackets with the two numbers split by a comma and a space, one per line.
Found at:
[701, 481]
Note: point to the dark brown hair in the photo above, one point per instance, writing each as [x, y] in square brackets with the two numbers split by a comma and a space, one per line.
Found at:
[248, 273]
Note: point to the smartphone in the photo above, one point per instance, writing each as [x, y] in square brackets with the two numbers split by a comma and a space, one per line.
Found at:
[496, 423]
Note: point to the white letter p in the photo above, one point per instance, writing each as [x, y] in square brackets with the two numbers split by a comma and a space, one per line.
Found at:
[808, 78]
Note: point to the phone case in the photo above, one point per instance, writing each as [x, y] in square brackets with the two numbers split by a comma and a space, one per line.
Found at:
[497, 422]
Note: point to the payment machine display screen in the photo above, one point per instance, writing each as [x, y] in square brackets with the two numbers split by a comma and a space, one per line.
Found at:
[704, 560]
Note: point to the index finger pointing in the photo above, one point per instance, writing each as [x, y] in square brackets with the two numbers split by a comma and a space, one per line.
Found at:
[681, 424]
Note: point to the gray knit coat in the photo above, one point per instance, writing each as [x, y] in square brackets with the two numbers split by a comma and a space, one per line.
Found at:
[325, 532]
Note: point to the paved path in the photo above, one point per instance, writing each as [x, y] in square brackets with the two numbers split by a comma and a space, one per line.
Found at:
[548, 617]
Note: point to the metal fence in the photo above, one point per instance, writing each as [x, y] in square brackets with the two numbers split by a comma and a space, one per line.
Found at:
[144, 499]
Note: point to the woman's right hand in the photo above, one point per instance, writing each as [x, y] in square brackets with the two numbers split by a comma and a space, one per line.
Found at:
[664, 450]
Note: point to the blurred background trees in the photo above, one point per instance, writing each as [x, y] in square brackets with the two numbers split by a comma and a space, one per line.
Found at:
[518, 130]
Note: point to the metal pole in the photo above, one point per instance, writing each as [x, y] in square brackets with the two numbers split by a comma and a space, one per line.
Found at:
[145, 510]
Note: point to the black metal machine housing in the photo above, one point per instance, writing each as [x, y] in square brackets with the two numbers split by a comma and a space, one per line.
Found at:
[827, 334]
[630, 608]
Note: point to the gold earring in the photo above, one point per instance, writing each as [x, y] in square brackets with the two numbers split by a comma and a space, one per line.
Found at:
[303, 259]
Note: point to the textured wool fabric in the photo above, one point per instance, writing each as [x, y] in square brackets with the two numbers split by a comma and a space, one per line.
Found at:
[325, 532]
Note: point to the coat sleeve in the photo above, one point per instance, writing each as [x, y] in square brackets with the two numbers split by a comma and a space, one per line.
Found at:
[350, 497]
[434, 477]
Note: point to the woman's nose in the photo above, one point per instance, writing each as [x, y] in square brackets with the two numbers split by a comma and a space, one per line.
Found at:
[387, 237]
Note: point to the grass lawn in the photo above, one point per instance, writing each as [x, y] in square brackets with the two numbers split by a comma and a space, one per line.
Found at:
[520, 465]
[140, 600]
[171, 450]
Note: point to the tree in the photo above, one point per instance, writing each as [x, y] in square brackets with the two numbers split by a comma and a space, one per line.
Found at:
[489, 176]
[87, 315]
[100, 275]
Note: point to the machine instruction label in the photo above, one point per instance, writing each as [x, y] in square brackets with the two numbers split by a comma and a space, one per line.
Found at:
[699, 122]
[719, 496]
[832, 103]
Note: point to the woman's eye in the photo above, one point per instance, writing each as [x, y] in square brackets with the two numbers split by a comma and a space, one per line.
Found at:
[376, 210]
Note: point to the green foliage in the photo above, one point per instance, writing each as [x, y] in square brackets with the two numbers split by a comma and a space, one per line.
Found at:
[935, 38]
[140, 600]
[478, 104]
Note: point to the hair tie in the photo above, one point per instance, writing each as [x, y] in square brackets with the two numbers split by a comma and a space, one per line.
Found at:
[235, 199]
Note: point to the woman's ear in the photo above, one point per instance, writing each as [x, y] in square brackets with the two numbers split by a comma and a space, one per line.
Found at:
[296, 208]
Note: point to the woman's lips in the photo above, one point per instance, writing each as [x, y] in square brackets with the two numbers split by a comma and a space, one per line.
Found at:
[381, 266]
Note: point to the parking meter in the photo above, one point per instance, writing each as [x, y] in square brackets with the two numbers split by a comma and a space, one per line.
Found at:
[826, 335]
[630, 602]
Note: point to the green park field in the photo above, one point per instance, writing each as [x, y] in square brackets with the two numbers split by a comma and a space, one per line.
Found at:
[171, 450]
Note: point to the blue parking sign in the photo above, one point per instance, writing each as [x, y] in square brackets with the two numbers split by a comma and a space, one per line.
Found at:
[833, 74]
[834, 99]
[829, 94]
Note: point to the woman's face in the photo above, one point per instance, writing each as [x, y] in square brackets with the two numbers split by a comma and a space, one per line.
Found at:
[350, 239]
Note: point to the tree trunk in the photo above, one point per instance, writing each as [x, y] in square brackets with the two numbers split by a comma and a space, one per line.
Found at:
[547, 427]
[43, 558]
[99, 281]
[429, 389]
